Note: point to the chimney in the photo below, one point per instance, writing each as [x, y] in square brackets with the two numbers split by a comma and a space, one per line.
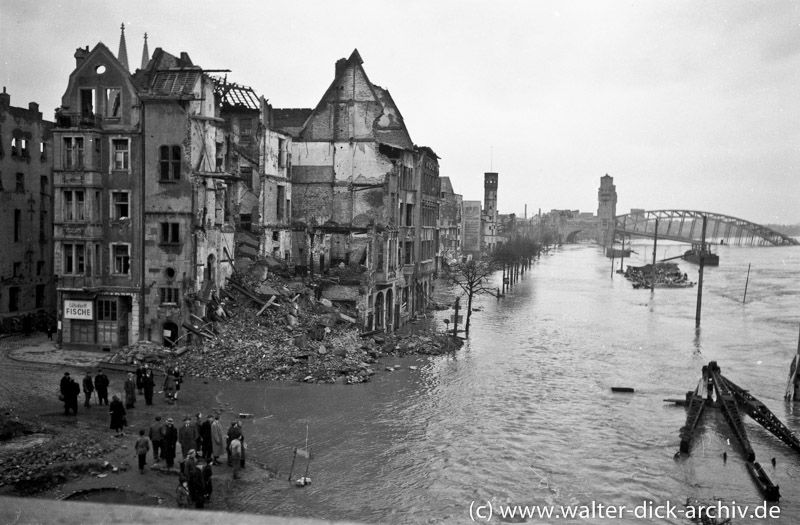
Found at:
[33, 108]
[340, 65]
[5, 99]
[80, 55]
[185, 59]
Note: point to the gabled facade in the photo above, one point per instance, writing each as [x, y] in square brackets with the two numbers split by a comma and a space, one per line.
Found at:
[427, 234]
[142, 237]
[26, 213]
[356, 194]
[98, 206]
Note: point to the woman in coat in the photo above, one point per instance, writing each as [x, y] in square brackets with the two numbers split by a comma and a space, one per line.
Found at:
[130, 391]
[117, 412]
[169, 386]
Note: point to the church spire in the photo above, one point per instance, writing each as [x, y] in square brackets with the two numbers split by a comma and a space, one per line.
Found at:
[145, 53]
[122, 56]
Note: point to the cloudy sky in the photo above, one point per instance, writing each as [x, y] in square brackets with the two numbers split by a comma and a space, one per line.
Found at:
[687, 104]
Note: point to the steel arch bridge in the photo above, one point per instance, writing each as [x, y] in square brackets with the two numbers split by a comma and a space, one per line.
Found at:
[687, 226]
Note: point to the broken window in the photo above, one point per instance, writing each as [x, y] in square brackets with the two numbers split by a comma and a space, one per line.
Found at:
[247, 174]
[170, 233]
[169, 163]
[282, 153]
[279, 210]
[43, 150]
[74, 255]
[112, 102]
[169, 295]
[24, 148]
[20, 183]
[17, 224]
[120, 205]
[39, 267]
[121, 255]
[87, 105]
[246, 128]
[13, 299]
[14, 151]
[74, 205]
[73, 153]
[43, 184]
[17, 270]
[39, 296]
[121, 149]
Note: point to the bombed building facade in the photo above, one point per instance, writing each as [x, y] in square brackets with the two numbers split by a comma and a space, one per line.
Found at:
[26, 165]
[142, 235]
[358, 205]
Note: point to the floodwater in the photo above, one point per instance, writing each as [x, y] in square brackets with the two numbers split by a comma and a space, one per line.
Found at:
[524, 413]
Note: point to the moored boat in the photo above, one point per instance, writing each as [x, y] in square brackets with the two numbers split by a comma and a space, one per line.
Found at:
[693, 256]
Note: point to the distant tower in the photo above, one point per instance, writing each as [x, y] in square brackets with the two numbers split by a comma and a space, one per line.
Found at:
[122, 56]
[489, 211]
[606, 210]
[145, 53]
[490, 193]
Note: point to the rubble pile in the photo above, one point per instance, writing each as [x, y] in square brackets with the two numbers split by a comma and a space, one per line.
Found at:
[43, 464]
[268, 328]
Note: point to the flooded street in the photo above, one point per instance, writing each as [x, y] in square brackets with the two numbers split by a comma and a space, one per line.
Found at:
[524, 413]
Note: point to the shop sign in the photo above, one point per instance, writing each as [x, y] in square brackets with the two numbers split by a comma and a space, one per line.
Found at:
[78, 310]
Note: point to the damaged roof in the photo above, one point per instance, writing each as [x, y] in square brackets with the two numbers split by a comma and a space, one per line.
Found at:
[290, 120]
[180, 82]
[235, 96]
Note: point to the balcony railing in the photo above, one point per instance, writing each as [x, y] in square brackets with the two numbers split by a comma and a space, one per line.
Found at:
[78, 120]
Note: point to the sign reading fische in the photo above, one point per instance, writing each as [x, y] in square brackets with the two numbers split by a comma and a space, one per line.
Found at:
[78, 310]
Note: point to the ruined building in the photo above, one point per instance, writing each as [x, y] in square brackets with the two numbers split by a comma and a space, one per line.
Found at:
[26, 210]
[449, 222]
[358, 209]
[142, 233]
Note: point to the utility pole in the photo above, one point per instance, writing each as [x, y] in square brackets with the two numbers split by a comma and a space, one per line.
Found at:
[655, 243]
[455, 319]
[700, 276]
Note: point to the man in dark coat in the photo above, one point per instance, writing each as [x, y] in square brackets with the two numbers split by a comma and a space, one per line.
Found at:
[205, 437]
[88, 388]
[170, 441]
[140, 378]
[101, 383]
[187, 435]
[64, 389]
[149, 384]
[157, 437]
[197, 484]
[73, 391]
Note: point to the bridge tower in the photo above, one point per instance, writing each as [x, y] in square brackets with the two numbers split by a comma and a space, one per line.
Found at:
[606, 210]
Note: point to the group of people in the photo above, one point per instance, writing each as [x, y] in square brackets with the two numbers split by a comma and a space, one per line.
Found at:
[201, 445]
[70, 391]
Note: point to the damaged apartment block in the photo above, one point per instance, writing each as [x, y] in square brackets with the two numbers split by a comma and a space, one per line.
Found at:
[143, 237]
[360, 217]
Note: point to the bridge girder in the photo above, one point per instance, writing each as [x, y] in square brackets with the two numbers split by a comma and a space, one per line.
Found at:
[673, 225]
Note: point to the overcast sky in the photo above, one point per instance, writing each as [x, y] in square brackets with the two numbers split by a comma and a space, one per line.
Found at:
[687, 104]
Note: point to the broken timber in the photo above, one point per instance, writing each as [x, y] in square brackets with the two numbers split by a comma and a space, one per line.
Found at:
[729, 396]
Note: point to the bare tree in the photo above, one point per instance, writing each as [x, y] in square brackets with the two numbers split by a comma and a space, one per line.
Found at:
[473, 279]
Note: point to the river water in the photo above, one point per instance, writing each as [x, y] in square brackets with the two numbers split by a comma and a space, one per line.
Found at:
[524, 414]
